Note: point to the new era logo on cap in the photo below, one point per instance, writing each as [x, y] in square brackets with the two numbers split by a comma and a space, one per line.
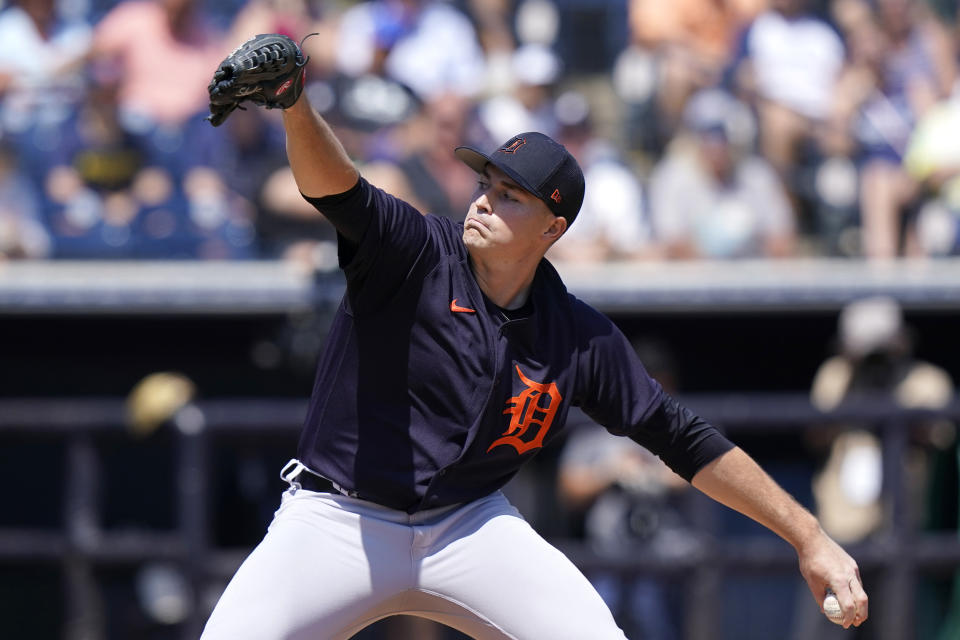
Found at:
[540, 165]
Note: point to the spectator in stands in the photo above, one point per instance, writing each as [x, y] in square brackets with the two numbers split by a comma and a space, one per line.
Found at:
[493, 19]
[442, 185]
[528, 105]
[22, 234]
[613, 222]
[293, 18]
[288, 228]
[788, 65]
[361, 97]
[426, 45]
[875, 361]
[933, 160]
[285, 230]
[710, 196]
[107, 197]
[249, 156]
[41, 52]
[89, 176]
[690, 43]
[902, 64]
[246, 150]
[218, 224]
[167, 49]
[630, 504]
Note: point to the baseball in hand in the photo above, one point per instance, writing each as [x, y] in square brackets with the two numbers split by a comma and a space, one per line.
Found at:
[831, 607]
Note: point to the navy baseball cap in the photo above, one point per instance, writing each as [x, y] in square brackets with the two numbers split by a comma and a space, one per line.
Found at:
[540, 165]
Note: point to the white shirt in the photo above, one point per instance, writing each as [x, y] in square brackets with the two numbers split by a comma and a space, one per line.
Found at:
[796, 61]
[613, 206]
[39, 92]
[439, 53]
[31, 59]
[723, 221]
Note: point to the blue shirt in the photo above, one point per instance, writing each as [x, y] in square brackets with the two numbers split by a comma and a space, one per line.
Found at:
[426, 395]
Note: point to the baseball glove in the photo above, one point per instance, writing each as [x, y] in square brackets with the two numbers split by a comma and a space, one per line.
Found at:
[267, 70]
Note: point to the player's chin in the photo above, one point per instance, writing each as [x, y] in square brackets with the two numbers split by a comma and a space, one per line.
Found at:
[473, 236]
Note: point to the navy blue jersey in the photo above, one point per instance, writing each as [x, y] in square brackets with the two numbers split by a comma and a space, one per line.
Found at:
[427, 395]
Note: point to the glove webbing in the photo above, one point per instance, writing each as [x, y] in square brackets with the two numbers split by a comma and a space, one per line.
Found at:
[268, 57]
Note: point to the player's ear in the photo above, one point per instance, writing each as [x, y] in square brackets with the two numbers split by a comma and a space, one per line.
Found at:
[557, 226]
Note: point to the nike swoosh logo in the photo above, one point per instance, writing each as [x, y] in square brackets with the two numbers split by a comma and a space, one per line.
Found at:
[457, 308]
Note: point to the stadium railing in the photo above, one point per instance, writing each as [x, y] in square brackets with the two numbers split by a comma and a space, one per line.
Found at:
[897, 556]
[81, 288]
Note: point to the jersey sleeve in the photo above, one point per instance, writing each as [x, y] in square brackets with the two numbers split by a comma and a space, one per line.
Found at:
[381, 240]
[620, 395]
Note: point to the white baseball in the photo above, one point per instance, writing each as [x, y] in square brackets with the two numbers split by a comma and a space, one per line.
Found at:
[831, 607]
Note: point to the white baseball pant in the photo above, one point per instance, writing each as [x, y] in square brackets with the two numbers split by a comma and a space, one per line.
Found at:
[331, 565]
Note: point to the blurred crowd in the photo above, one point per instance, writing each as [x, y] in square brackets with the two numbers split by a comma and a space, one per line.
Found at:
[706, 129]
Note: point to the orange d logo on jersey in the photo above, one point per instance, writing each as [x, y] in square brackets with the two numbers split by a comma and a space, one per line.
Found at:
[535, 407]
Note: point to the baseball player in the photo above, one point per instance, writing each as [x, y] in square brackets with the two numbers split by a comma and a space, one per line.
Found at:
[453, 358]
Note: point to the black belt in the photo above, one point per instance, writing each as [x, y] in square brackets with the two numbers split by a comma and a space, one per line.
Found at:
[313, 482]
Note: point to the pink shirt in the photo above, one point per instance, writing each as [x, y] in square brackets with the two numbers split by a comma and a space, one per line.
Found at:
[164, 78]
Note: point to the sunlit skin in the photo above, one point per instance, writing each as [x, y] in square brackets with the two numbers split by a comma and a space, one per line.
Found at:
[507, 231]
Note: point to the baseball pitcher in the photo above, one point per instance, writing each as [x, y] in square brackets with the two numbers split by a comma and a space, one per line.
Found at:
[454, 357]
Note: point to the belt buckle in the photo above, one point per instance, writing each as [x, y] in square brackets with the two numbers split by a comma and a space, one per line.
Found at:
[290, 472]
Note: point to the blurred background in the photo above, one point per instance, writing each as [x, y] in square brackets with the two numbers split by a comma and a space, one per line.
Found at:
[772, 216]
